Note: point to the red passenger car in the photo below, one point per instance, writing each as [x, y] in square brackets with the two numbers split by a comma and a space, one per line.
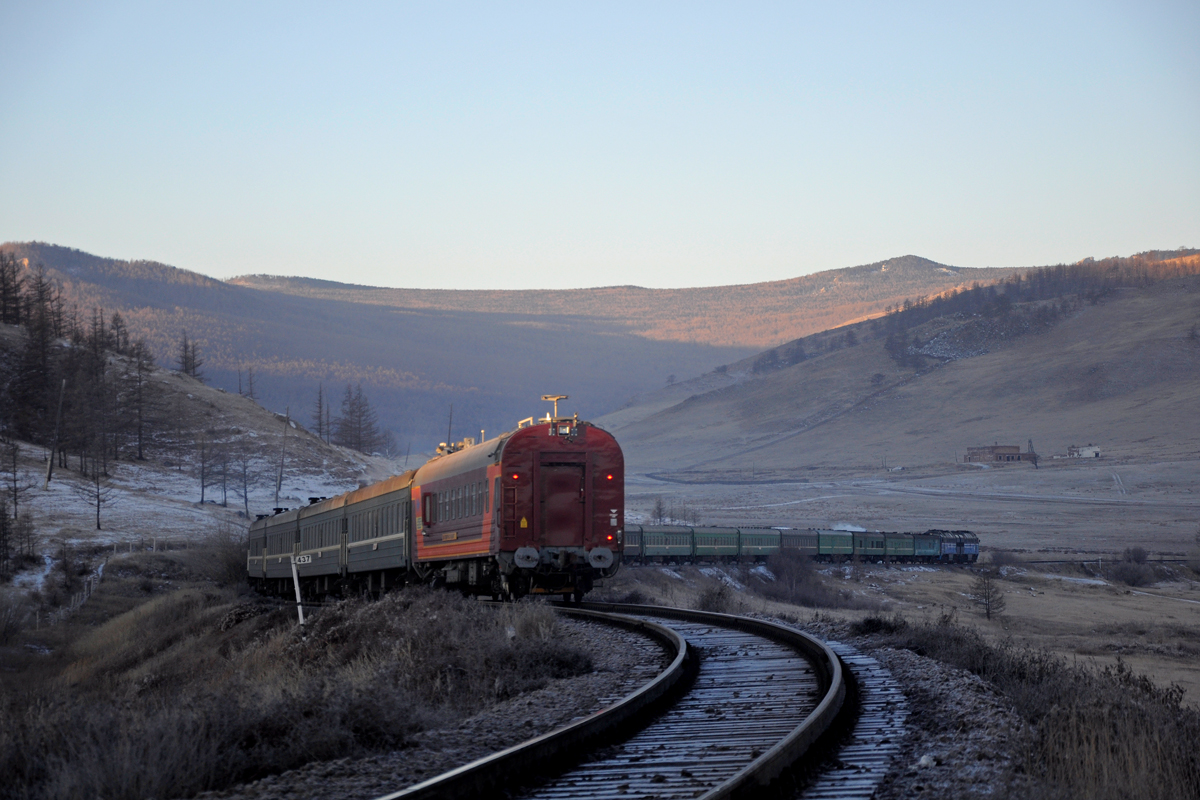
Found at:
[536, 510]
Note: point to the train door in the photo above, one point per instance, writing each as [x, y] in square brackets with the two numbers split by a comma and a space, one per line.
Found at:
[563, 499]
[343, 544]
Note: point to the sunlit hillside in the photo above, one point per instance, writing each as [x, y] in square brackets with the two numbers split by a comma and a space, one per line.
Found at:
[745, 315]
[1123, 373]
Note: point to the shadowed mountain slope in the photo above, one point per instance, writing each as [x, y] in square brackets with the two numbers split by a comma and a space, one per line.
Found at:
[490, 353]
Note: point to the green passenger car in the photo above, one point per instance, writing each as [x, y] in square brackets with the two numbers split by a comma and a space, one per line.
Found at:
[899, 546]
[759, 543]
[869, 546]
[834, 545]
[926, 548]
[631, 542]
[667, 543]
[799, 542]
[716, 542]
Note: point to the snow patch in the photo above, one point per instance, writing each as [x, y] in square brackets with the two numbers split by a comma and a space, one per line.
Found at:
[722, 576]
[1086, 581]
[670, 573]
[762, 572]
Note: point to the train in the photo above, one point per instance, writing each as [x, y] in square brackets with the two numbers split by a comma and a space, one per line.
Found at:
[676, 544]
[537, 510]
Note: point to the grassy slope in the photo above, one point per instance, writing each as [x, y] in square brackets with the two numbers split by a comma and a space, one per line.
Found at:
[1122, 374]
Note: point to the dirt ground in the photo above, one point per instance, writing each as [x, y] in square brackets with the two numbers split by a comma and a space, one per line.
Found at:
[1069, 524]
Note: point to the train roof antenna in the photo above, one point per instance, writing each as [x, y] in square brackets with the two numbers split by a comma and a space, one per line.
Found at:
[554, 398]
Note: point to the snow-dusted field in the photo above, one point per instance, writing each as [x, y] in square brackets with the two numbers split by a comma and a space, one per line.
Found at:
[148, 500]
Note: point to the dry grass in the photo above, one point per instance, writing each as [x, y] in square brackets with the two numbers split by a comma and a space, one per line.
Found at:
[1098, 733]
[199, 689]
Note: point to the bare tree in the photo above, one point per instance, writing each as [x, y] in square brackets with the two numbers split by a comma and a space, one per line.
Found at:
[6, 543]
[221, 458]
[97, 489]
[244, 474]
[13, 616]
[189, 358]
[319, 412]
[659, 512]
[15, 484]
[358, 426]
[989, 593]
[25, 536]
[202, 462]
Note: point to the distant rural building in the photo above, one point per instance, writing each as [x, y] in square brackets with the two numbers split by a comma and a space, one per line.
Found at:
[1087, 451]
[999, 452]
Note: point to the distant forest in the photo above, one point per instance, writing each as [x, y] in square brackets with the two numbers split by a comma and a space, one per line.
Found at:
[1049, 291]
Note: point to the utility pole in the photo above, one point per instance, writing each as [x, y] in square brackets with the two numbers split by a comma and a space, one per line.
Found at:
[287, 423]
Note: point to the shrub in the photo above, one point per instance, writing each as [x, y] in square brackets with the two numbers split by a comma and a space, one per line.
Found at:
[1132, 573]
[1097, 733]
[1135, 554]
[716, 598]
[797, 581]
[877, 624]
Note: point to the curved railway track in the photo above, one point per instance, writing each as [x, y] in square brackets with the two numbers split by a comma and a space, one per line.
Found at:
[741, 702]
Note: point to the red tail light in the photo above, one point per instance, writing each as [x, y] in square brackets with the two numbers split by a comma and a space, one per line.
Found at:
[610, 537]
[610, 477]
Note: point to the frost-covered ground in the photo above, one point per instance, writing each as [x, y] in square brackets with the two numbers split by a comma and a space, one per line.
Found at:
[159, 499]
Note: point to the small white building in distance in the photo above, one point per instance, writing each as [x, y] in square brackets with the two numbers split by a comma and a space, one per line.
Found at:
[1087, 451]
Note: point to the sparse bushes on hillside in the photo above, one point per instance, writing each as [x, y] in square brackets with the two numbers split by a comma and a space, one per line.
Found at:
[1087, 281]
[1097, 733]
[798, 582]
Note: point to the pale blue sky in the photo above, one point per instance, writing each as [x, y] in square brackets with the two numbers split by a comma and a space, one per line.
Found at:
[563, 144]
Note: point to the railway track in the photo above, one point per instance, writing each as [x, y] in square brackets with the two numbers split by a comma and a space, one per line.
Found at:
[741, 702]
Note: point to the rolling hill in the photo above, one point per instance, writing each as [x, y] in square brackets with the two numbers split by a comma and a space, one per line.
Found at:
[489, 353]
[1123, 373]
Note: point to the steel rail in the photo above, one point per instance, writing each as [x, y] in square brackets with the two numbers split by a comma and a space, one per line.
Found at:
[791, 747]
[739, 775]
[480, 778]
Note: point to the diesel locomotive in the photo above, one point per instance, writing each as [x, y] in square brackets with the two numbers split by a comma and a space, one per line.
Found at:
[536, 510]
